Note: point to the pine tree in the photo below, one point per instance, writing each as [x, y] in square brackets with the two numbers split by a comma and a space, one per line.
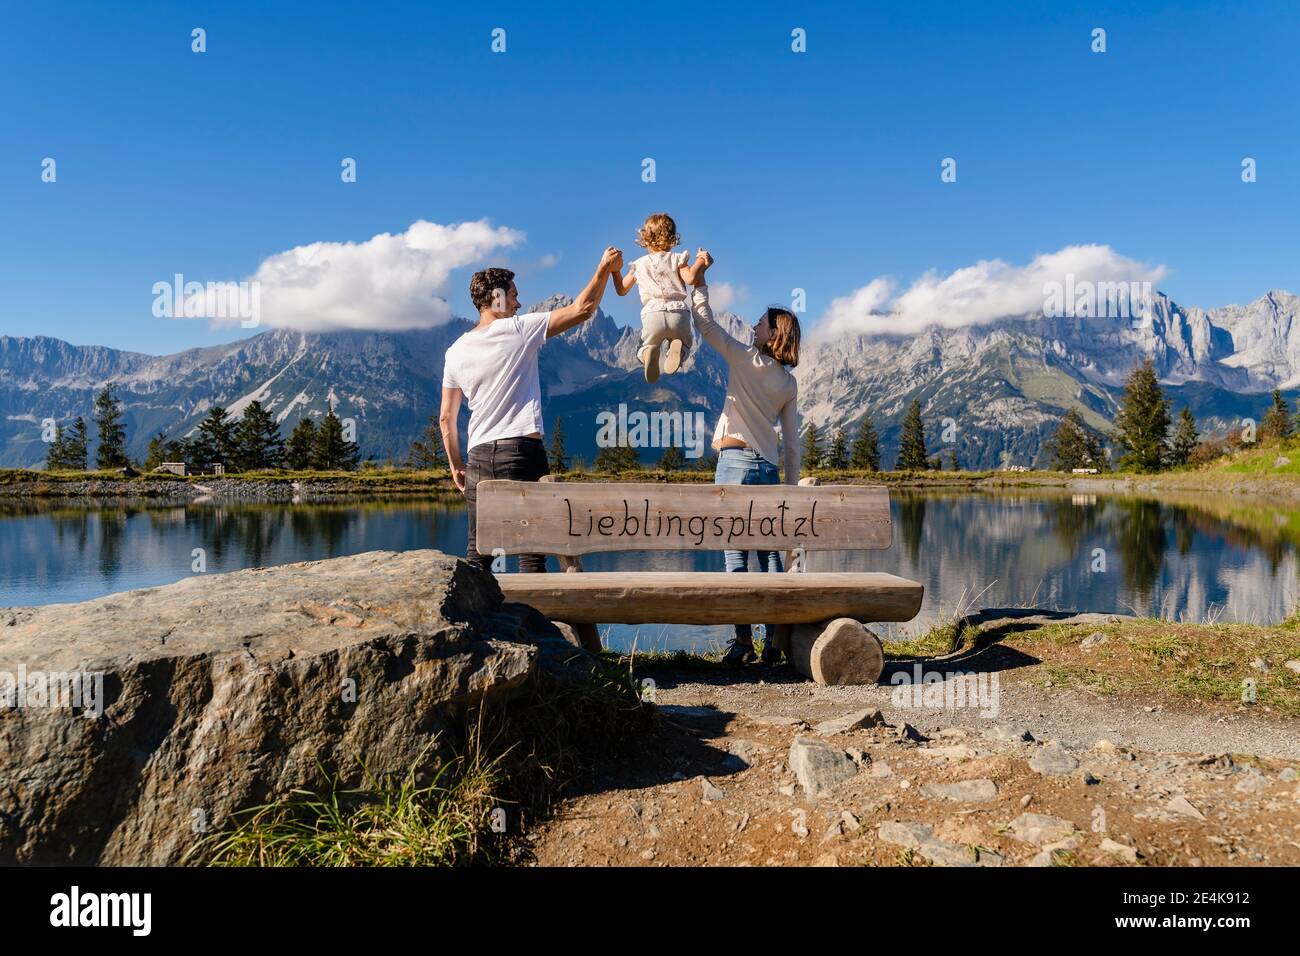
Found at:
[617, 458]
[426, 451]
[256, 439]
[559, 457]
[156, 453]
[952, 460]
[812, 447]
[111, 452]
[333, 451]
[911, 445]
[57, 454]
[838, 456]
[1142, 425]
[1068, 446]
[866, 448]
[300, 454]
[1185, 438]
[1277, 420]
[672, 459]
[216, 438]
[75, 453]
[179, 450]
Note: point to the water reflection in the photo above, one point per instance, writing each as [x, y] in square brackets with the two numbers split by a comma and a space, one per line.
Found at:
[1194, 559]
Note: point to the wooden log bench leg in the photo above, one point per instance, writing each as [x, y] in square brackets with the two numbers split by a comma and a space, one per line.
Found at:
[585, 636]
[842, 651]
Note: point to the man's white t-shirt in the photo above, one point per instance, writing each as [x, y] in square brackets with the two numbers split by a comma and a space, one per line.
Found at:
[496, 368]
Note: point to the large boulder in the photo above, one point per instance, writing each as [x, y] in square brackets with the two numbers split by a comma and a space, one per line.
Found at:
[226, 691]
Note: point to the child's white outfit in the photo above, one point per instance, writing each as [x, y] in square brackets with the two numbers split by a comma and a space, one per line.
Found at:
[665, 313]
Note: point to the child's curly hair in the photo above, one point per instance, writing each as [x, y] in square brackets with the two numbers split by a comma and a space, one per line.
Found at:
[659, 234]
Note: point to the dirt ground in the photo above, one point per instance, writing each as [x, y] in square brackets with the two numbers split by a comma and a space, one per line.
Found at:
[1113, 781]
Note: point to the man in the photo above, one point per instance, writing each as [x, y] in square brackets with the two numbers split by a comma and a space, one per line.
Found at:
[494, 366]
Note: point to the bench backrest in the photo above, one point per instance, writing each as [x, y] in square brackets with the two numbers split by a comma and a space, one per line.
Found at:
[576, 518]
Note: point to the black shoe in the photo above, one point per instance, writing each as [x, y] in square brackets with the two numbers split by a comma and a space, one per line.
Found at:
[738, 654]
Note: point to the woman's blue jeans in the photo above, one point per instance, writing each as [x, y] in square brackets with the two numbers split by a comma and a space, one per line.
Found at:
[744, 466]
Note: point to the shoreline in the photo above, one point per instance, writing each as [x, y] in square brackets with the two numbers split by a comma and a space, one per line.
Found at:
[90, 487]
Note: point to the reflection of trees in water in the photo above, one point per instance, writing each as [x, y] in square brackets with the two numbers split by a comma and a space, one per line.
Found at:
[1141, 540]
[911, 522]
[247, 535]
[71, 524]
[313, 527]
[112, 535]
[1073, 523]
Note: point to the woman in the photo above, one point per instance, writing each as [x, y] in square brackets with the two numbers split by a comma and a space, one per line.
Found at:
[760, 393]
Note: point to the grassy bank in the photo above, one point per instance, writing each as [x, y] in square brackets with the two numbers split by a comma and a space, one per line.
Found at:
[514, 761]
[1158, 662]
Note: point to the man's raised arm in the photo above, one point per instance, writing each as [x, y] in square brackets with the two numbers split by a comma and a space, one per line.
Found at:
[584, 307]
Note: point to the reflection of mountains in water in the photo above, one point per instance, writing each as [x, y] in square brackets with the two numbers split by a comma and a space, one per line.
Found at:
[1093, 552]
[1188, 559]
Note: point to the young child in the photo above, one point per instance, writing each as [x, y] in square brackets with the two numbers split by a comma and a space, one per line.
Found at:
[662, 277]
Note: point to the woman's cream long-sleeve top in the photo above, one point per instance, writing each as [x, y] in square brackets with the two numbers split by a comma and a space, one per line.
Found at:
[760, 392]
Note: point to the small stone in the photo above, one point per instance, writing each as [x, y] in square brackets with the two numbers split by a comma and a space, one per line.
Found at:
[1053, 759]
[1181, 804]
[908, 835]
[1252, 782]
[1088, 779]
[745, 750]
[853, 721]
[1260, 665]
[1293, 666]
[1093, 640]
[799, 825]
[965, 791]
[1289, 774]
[1281, 461]
[880, 769]
[710, 791]
[959, 733]
[850, 821]
[1130, 854]
[906, 733]
[1026, 800]
[787, 790]
[835, 831]
[648, 854]
[818, 766]
[859, 756]
[1039, 828]
[1106, 746]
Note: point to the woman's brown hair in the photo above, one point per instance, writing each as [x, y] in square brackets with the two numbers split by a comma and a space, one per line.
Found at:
[784, 342]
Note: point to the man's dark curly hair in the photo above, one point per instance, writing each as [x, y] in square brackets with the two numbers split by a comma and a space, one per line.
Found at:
[483, 284]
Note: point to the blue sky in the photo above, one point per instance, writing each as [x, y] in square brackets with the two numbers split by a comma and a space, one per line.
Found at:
[817, 170]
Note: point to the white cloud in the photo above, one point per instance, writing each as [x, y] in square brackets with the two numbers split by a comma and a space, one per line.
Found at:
[388, 282]
[724, 294]
[987, 291]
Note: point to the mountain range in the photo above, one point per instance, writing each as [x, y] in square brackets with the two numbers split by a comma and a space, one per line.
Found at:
[1003, 385]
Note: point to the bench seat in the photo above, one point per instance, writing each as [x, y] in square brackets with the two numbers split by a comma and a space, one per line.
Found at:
[715, 597]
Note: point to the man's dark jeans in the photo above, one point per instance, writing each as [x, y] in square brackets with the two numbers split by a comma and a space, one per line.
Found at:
[523, 459]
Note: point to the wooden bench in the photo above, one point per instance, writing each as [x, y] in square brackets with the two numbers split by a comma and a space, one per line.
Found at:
[820, 616]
